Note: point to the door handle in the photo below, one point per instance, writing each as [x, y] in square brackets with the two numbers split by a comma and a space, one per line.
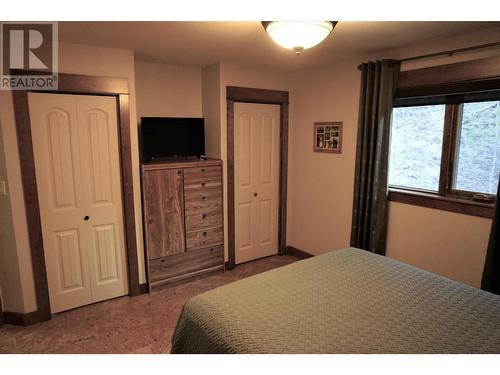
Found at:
[86, 218]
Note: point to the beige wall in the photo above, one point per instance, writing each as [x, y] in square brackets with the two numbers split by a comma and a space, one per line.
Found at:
[211, 107]
[322, 184]
[484, 36]
[11, 280]
[17, 279]
[167, 90]
[72, 59]
[449, 244]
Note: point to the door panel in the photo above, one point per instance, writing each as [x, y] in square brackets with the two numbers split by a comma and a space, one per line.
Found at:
[104, 240]
[56, 149]
[256, 138]
[244, 225]
[98, 129]
[69, 259]
[265, 222]
[75, 145]
[61, 158]
[244, 150]
[267, 140]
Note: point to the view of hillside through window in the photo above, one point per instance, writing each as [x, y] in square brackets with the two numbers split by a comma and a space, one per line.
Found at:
[416, 144]
[478, 156]
[416, 141]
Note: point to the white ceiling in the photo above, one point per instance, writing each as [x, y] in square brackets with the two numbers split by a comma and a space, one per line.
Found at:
[205, 43]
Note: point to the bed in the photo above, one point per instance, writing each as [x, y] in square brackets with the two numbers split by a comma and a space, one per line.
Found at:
[344, 301]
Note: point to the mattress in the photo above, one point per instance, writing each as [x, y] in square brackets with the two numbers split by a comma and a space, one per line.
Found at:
[344, 301]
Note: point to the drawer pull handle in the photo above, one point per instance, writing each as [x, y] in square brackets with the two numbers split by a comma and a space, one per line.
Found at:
[204, 234]
[179, 173]
[204, 216]
[163, 260]
[204, 198]
[212, 249]
[203, 184]
[203, 169]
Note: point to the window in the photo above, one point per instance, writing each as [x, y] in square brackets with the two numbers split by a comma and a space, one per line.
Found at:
[445, 137]
[416, 141]
[449, 151]
[478, 148]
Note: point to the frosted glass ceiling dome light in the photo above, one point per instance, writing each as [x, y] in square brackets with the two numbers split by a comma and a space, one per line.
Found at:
[298, 36]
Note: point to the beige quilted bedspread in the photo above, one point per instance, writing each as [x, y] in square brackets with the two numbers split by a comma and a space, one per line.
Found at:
[345, 301]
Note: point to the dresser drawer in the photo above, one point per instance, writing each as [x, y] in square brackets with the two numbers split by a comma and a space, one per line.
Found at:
[199, 202]
[204, 238]
[183, 264]
[198, 175]
[203, 184]
[203, 220]
[202, 194]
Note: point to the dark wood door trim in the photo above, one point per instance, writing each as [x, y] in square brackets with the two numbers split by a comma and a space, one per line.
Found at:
[123, 106]
[252, 95]
[263, 96]
[75, 84]
[28, 176]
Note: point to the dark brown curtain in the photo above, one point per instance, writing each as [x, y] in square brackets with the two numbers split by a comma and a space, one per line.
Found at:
[369, 214]
[491, 271]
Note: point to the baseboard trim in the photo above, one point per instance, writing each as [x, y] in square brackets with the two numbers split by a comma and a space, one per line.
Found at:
[298, 253]
[22, 319]
[143, 288]
[27, 319]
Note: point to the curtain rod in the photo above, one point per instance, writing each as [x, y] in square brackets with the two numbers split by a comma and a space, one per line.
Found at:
[449, 53]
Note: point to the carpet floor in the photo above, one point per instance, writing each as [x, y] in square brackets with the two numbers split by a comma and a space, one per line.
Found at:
[142, 324]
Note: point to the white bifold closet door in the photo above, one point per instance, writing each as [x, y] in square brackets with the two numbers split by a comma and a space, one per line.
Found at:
[256, 176]
[75, 145]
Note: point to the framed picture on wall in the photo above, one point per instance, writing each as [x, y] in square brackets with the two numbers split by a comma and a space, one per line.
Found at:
[328, 137]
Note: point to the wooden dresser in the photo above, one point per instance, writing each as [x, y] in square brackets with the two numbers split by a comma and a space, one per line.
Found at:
[183, 219]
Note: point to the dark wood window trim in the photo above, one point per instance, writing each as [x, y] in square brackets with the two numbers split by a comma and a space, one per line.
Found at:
[253, 95]
[75, 84]
[445, 203]
[452, 85]
[448, 79]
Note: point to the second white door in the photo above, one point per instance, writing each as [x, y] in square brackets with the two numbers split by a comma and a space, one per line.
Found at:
[75, 146]
[256, 176]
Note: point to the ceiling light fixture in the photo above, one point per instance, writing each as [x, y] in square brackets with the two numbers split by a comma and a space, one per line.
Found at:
[298, 36]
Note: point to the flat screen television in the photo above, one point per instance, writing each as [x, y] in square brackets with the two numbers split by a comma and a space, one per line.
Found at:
[171, 137]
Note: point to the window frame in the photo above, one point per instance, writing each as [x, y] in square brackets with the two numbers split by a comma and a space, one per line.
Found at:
[447, 198]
